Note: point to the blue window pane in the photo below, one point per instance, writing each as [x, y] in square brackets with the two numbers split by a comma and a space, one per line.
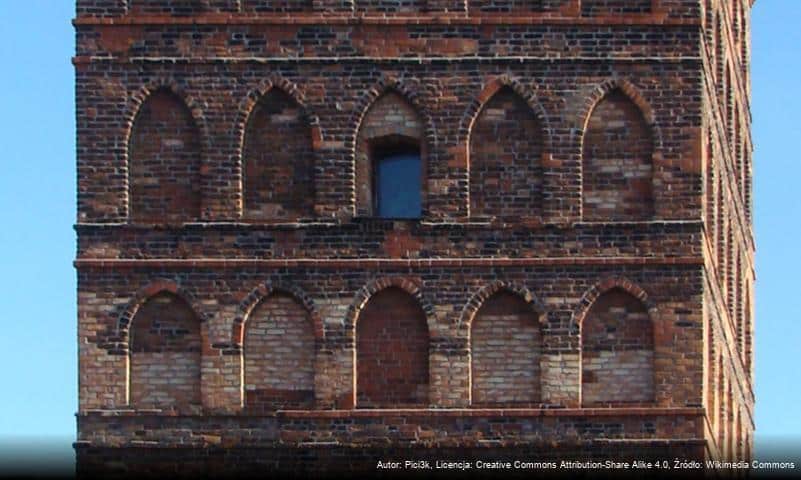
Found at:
[398, 186]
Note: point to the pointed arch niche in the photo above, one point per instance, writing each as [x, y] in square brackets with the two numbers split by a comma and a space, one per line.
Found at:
[164, 153]
[165, 354]
[506, 347]
[392, 343]
[506, 145]
[278, 160]
[617, 161]
[390, 159]
[617, 351]
[278, 355]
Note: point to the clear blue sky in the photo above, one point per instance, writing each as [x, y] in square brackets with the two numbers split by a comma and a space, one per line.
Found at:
[38, 351]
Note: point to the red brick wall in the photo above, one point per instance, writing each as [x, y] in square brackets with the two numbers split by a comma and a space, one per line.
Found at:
[505, 159]
[165, 347]
[278, 160]
[279, 355]
[617, 174]
[165, 157]
[391, 351]
[617, 363]
[505, 346]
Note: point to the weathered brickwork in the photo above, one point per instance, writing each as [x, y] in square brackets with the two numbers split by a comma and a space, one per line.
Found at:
[165, 355]
[617, 352]
[579, 282]
[391, 352]
[607, 7]
[279, 351]
[505, 352]
[164, 154]
[617, 172]
[278, 161]
[506, 160]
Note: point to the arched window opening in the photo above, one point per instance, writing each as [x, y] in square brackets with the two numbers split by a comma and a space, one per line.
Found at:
[278, 351]
[165, 352]
[390, 160]
[506, 346]
[617, 353]
[391, 352]
[164, 161]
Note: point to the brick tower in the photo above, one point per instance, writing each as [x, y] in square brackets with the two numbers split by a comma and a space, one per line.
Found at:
[317, 233]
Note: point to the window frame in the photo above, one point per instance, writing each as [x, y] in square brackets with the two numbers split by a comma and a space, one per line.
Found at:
[386, 146]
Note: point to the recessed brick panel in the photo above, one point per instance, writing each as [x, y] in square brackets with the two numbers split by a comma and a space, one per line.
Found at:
[278, 160]
[505, 159]
[165, 347]
[164, 160]
[279, 355]
[505, 344]
[617, 352]
[617, 176]
[392, 352]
